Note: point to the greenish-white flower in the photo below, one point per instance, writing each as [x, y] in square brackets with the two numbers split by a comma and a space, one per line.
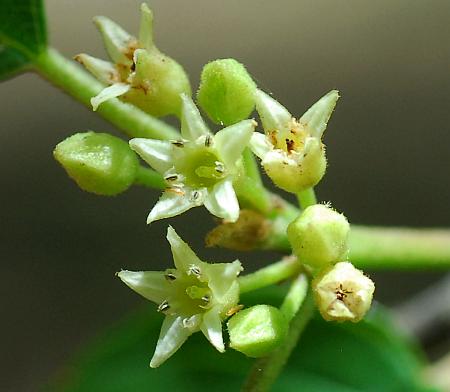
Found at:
[194, 296]
[139, 73]
[291, 150]
[200, 168]
[343, 293]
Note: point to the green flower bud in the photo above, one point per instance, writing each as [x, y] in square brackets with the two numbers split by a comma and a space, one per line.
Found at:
[319, 236]
[227, 91]
[343, 293]
[256, 331]
[98, 162]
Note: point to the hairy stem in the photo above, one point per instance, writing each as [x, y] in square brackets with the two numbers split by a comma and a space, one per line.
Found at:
[269, 275]
[266, 370]
[80, 85]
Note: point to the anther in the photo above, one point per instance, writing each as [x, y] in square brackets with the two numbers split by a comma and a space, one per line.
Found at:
[208, 140]
[170, 277]
[219, 167]
[171, 177]
[163, 306]
[195, 196]
[177, 143]
[194, 270]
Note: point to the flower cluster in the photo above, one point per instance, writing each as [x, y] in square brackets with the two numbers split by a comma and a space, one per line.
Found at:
[205, 168]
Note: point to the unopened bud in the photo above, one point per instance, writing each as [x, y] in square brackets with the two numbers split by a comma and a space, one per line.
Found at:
[98, 162]
[258, 330]
[319, 236]
[227, 91]
[343, 293]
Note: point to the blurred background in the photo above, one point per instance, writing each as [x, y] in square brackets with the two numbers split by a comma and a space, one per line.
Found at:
[388, 149]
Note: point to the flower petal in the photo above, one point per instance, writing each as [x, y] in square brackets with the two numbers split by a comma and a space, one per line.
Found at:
[212, 329]
[192, 124]
[117, 41]
[157, 153]
[103, 70]
[221, 277]
[173, 203]
[183, 255]
[259, 145]
[222, 201]
[113, 91]
[316, 117]
[146, 27]
[173, 334]
[231, 141]
[150, 284]
[274, 116]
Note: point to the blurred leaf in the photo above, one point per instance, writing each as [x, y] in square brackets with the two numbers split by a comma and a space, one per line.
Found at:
[369, 356]
[22, 34]
[11, 62]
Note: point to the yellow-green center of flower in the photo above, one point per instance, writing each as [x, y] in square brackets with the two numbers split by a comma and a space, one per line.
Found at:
[199, 165]
[289, 139]
[189, 294]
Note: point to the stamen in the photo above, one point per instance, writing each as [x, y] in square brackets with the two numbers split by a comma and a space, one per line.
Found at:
[163, 306]
[188, 322]
[170, 277]
[171, 177]
[177, 143]
[220, 168]
[195, 196]
[208, 141]
[194, 270]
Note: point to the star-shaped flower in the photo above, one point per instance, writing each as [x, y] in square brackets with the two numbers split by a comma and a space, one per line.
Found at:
[139, 73]
[291, 151]
[199, 168]
[194, 296]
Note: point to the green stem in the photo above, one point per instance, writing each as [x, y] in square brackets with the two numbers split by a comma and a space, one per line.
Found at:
[79, 84]
[251, 166]
[399, 248]
[252, 195]
[269, 275]
[149, 178]
[376, 247]
[295, 297]
[306, 198]
[266, 370]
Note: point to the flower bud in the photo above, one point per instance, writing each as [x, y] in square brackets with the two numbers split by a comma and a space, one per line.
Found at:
[319, 236]
[256, 331]
[227, 91]
[98, 162]
[343, 293]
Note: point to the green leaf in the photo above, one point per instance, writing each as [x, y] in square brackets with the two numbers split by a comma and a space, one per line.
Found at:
[11, 62]
[369, 356]
[22, 34]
